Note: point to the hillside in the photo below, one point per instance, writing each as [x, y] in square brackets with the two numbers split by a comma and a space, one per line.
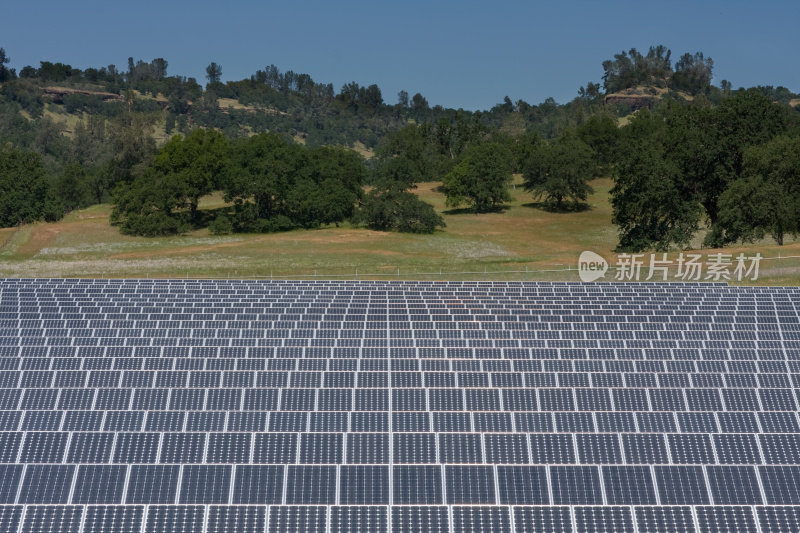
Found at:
[521, 237]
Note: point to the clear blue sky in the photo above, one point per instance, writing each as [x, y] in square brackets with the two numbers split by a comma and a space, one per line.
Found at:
[458, 54]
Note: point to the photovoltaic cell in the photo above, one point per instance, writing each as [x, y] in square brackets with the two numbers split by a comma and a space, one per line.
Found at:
[522, 485]
[427, 519]
[417, 485]
[113, 518]
[312, 519]
[311, 485]
[52, 518]
[99, 484]
[469, 484]
[665, 518]
[10, 476]
[244, 518]
[733, 485]
[175, 518]
[726, 518]
[575, 485]
[46, 484]
[359, 518]
[603, 519]
[258, 484]
[153, 484]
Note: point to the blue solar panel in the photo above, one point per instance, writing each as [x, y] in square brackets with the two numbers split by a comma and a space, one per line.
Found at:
[416, 405]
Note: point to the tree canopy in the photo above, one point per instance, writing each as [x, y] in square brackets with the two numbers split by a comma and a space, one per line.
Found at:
[25, 194]
[560, 170]
[481, 179]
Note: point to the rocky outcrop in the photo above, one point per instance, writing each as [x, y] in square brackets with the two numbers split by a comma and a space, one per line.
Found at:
[635, 101]
[57, 94]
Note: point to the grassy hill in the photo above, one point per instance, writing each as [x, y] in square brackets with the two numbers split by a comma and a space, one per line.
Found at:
[521, 237]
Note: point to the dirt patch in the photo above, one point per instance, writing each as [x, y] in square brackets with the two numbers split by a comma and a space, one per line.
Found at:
[40, 236]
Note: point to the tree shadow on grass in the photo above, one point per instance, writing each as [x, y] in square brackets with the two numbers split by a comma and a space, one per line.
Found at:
[568, 207]
[207, 216]
[473, 211]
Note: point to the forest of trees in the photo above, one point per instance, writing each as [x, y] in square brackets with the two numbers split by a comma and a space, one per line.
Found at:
[276, 146]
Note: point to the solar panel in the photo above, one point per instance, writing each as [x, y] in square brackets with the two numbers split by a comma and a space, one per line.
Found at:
[201, 405]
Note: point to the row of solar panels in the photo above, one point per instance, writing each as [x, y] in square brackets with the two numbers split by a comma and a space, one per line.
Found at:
[428, 304]
[382, 378]
[373, 348]
[377, 519]
[431, 360]
[373, 397]
[432, 301]
[349, 357]
[379, 346]
[384, 348]
[358, 317]
[754, 321]
[29, 336]
[424, 305]
[381, 421]
[405, 302]
[407, 484]
[540, 321]
[383, 448]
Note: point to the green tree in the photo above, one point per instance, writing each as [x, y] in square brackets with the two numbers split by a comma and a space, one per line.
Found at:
[481, 179]
[131, 142]
[6, 74]
[213, 73]
[25, 195]
[90, 142]
[707, 145]
[390, 207]
[402, 99]
[404, 155]
[766, 200]
[692, 73]
[522, 149]
[419, 103]
[649, 206]
[147, 206]
[601, 133]
[263, 170]
[195, 164]
[329, 188]
[73, 187]
[560, 170]
[629, 69]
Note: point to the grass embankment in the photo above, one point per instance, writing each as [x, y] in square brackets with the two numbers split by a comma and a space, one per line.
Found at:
[522, 236]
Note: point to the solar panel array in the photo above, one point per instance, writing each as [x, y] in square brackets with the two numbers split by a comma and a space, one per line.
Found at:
[167, 405]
